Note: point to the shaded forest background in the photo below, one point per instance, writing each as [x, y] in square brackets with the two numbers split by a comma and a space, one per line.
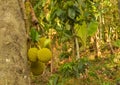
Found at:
[84, 40]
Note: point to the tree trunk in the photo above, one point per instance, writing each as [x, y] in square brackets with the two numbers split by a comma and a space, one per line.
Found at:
[119, 8]
[13, 45]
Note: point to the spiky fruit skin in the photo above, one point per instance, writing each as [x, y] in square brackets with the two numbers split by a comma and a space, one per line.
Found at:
[32, 54]
[37, 68]
[44, 55]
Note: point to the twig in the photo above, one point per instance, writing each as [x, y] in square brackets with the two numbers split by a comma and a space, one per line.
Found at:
[77, 48]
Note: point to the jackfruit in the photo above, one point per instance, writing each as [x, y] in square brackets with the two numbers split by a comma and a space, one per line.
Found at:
[41, 42]
[44, 55]
[44, 42]
[32, 54]
[37, 68]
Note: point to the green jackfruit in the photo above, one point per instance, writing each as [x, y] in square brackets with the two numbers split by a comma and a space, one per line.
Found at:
[44, 55]
[44, 42]
[32, 54]
[37, 68]
[41, 42]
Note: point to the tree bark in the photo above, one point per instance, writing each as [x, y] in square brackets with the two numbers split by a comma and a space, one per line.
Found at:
[119, 8]
[13, 45]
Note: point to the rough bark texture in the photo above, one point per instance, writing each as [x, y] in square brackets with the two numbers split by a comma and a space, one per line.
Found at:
[13, 47]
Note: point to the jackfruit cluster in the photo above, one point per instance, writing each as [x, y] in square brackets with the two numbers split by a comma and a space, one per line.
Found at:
[38, 58]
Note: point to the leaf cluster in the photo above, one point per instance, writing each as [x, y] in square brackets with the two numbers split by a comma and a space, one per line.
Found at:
[74, 69]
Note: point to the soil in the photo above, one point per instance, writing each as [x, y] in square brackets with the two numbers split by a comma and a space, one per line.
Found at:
[13, 45]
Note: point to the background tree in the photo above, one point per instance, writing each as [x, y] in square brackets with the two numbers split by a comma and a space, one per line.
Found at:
[13, 44]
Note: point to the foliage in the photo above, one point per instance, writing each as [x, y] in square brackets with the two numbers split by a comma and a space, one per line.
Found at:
[74, 69]
[116, 43]
[92, 28]
[69, 70]
[54, 80]
[34, 35]
[81, 32]
[98, 72]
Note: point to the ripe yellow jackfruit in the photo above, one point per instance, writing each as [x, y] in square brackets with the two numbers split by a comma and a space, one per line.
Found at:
[32, 54]
[37, 68]
[44, 55]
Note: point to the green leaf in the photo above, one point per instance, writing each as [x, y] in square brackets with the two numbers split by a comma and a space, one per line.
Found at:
[116, 43]
[47, 43]
[81, 31]
[68, 4]
[67, 26]
[71, 13]
[34, 35]
[59, 12]
[92, 28]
